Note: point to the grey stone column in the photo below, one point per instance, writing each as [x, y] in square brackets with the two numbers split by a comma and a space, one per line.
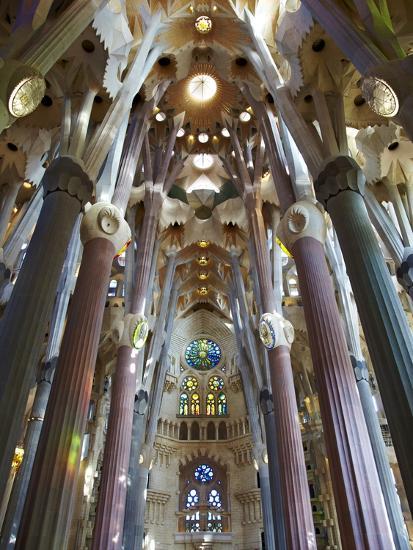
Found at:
[7, 208]
[21, 482]
[273, 466]
[391, 500]
[340, 187]
[67, 188]
[141, 485]
[266, 505]
[132, 496]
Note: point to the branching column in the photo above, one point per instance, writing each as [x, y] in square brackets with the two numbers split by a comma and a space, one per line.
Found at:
[67, 188]
[361, 512]
[49, 505]
[298, 519]
[340, 187]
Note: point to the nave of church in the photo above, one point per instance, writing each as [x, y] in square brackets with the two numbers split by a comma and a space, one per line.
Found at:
[206, 274]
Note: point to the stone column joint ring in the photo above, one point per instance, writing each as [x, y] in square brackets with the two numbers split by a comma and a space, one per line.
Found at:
[339, 174]
[67, 174]
[305, 218]
[275, 331]
[105, 221]
[135, 331]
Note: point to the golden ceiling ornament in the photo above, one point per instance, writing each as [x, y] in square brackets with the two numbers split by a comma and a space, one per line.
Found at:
[203, 260]
[203, 243]
[203, 24]
[202, 290]
[203, 275]
[203, 114]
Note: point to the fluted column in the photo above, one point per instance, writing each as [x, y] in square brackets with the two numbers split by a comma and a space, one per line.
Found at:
[277, 335]
[391, 499]
[31, 439]
[67, 188]
[360, 506]
[108, 532]
[340, 187]
[49, 505]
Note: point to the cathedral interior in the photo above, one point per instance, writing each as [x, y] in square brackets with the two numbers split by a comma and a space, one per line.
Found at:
[206, 274]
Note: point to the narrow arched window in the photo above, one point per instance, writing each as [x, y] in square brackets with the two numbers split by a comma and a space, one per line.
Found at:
[184, 404]
[211, 430]
[195, 431]
[113, 285]
[222, 431]
[195, 404]
[222, 404]
[210, 404]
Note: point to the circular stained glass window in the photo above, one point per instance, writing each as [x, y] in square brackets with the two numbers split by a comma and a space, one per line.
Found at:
[215, 383]
[189, 383]
[203, 354]
[204, 473]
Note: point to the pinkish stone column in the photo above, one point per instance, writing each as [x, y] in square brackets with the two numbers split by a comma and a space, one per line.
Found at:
[360, 506]
[49, 506]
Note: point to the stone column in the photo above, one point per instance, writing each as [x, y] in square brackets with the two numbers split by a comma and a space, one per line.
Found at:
[277, 336]
[31, 439]
[360, 506]
[49, 505]
[267, 409]
[391, 499]
[108, 532]
[138, 430]
[340, 187]
[7, 208]
[67, 188]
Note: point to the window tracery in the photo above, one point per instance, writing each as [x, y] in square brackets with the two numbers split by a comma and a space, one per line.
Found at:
[203, 354]
[183, 404]
[222, 404]
[195, 404]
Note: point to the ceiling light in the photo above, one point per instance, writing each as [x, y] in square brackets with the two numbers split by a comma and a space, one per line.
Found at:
[203, 137]
[27, 185]
[203, 243]
[203, 275]
[203, 161]
[225, 132]
[202, 87]
[245, 116]
[202, 290]
[180, 132]
[203, 260]
[203, 24]
[161, 116]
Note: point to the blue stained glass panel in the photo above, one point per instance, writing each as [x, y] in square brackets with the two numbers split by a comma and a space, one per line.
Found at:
[203, 354]
[204, 473]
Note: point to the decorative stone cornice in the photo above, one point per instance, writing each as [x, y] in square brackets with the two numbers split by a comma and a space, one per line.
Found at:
[67, 174]
[105, 221]
[339, 174]
[304, 218]
[275, 331]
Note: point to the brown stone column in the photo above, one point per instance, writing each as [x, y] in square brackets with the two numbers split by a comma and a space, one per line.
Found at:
[110, 513]
[277, 335]
[49, 506]
[360, 506]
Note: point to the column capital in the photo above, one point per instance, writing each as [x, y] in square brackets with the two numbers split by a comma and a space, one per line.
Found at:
[67, 173]
[304, 218]
[275, 331]
[135, 331]
[105, 221]
[339, 174]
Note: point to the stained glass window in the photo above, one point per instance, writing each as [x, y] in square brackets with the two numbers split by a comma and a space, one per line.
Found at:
[192, 523]
[215, 383]
[183, 404]
[203, 354]
[214, 524]
[192, 499]
[189, 383]
[204, 473]
[195, 404]
[210, 404]
[214, 499]
[222, 404]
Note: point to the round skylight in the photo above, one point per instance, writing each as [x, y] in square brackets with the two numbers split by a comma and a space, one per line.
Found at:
[181, 132]
[245, 116]
[160, 117]
[202, 87]
[203, 161]
[225, 132]
[203, 137]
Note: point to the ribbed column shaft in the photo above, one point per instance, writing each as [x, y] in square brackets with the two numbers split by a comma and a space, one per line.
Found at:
[143, 475]
[49, 505]
[360, 507]
[24, 322]
[298, 518]
[21, 481]
[391, 499]
[384, 322]
[108, 532]
[266, 504]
